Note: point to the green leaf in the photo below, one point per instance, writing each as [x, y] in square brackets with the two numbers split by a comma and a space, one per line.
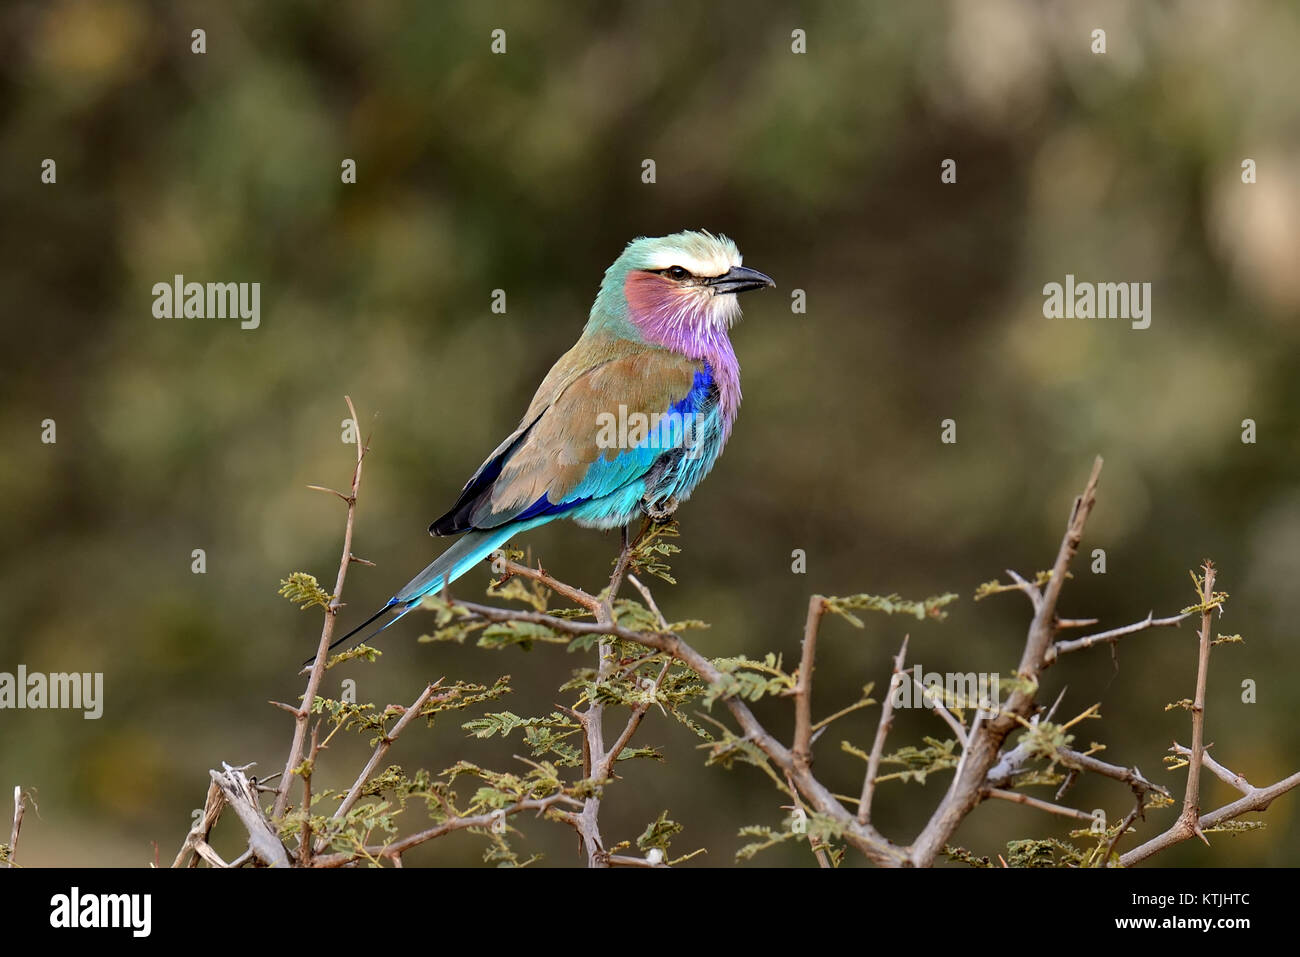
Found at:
[931, 607]
[304, 591]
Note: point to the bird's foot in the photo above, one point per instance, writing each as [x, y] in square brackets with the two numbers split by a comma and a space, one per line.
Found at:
[660, 511]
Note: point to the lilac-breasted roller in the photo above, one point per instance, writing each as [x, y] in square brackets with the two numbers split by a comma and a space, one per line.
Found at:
[626, 423]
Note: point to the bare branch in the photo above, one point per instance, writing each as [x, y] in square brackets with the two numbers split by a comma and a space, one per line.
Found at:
[1130, 776]
[1018, 798]
[1029, 588]
[942, 711]
[1078, 644]
[1191, 814]
[802, 749]
[20, 808]
[1218, 770]
[198, 834]
[239, 794]
[882, 731]
[575, 595]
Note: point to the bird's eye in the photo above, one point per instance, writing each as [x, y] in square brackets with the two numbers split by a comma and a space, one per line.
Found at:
[677, 273]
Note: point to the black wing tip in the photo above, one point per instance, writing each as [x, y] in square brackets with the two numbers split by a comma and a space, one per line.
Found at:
[452, 523]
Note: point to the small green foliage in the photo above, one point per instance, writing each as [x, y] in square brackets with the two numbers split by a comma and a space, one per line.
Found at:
[501, 723]
[1228, 640]
[390, 779]
[996, 587]
[451, 622]
[501, 789]
[931, 607]
[1012, 684]
[363, 717]
[521, 633]
[359, 651]
[1045, 739]
[1157, 800]
[525, 590]
[962, 856]
[1235, 827]
[630, 754]
[659, 833]
[1187, 704]
[504, 722]
[1045, 777]
[728, 749]
[1044, 853]
[766, 838]
[634, 616]
[856, 752]
[463, 694]
[919, 763]
[750, 680]
[304, 591]
[499, 851]
[652, 551]
[819, 829]
[1207, 602]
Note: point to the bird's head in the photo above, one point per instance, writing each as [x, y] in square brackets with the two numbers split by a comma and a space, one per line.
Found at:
[676, 290]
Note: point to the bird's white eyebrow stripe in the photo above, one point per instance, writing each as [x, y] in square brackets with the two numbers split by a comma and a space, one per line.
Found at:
[709, 268]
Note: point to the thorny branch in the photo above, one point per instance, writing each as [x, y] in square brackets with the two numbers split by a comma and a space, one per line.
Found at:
[20, 808]
[986, 770]
[303, 713]
[985, 766]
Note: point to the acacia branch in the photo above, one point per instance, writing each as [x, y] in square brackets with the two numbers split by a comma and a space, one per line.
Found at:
[882, 731]
[1191, 813]
[985, 742]
[1078, 644]
[863, 837]
[400, 847]
[381, 749]
[326, 635]
[239, 794]
[197, 839]
[1257, 800]
[1130, 776]
[803, 729]
[20, 808]
[1025, 799]
[942, 711]
[1218, 770]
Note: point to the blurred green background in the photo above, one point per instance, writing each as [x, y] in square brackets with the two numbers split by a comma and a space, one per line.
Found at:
[523, 172]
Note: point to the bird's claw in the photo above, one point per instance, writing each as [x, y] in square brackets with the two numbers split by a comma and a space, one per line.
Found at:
[661, 510]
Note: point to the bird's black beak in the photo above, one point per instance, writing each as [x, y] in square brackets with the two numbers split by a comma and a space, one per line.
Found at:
[739, 279]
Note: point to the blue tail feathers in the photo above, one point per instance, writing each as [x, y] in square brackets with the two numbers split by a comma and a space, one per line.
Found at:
[471, 549]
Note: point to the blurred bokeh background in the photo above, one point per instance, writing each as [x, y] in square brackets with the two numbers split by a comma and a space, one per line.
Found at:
[522, 172]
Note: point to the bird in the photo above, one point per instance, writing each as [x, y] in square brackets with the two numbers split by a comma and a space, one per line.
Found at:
[626, 423]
